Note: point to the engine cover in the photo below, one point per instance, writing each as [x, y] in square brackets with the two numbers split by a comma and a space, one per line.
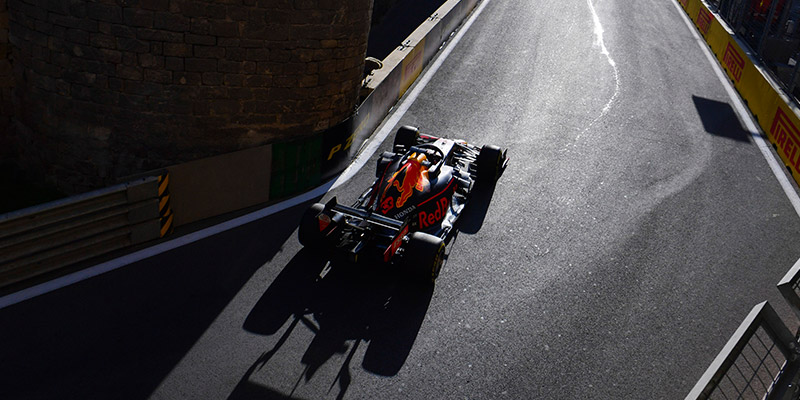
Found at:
[407, 190]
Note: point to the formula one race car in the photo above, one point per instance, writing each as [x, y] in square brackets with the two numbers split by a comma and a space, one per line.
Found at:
[408, 214]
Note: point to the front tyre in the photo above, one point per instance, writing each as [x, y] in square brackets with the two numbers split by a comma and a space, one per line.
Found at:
[423, 257]
[490, 164]
[406, 137]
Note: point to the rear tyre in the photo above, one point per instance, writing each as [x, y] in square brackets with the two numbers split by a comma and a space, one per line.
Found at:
[309, 233]
[490, 164]
[423, 257]
[406, 137]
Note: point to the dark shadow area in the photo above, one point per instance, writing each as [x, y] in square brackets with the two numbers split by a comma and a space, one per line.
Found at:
[474, 213]
[720, 119]
[20, 193]
[394, 20]
[351, 306]
[118, 335]
[250, 390]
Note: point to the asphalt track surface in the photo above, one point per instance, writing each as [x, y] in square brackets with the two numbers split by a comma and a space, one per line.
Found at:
[636, 225]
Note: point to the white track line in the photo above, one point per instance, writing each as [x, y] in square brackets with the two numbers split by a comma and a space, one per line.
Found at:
[752, 127]
[355, 166]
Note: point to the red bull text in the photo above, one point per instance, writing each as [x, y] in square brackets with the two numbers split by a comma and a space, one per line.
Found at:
[427, 219]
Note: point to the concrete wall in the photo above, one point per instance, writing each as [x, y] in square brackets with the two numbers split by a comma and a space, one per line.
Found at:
[108, 88]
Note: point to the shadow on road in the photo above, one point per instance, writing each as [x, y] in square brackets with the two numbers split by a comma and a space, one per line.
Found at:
[474, 213]
[362, 303]
[118, 335]
[720, 119]
[344, 305]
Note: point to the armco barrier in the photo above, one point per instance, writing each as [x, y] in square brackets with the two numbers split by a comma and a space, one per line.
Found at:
[40, 239]
[776, 114]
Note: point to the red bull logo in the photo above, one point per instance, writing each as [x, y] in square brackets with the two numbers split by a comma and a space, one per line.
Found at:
[427, 219]
[414, 177]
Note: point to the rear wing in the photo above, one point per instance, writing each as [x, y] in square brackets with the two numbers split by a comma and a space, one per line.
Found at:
[399, 229]
[370, 217]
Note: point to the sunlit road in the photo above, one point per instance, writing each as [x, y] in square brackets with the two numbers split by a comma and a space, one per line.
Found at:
[635, 227]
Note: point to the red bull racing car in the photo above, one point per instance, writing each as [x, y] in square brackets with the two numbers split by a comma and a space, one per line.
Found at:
[408, 213]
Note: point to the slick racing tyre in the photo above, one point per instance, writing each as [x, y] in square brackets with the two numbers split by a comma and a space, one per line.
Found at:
[406, 137]
[309, 233]
[490, 163]
[424, 256]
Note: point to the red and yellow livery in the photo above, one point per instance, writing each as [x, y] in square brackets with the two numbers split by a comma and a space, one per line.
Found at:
[409, 212]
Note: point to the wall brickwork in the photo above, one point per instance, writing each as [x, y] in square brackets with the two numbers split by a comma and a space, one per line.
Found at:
[109, 88]
[5, 83]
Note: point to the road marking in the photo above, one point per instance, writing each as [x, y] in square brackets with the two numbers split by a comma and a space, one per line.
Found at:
[744, 113]
[386, 127]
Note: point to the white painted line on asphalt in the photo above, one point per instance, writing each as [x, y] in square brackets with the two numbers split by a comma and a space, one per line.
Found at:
[752, 127]
[388, 126]
[355, 166]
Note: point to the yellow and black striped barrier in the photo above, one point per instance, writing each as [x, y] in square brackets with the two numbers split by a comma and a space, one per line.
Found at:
[164, 208]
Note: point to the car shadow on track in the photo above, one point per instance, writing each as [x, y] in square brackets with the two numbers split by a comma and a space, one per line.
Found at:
[358, 304]
[474, 213]
[118, 335]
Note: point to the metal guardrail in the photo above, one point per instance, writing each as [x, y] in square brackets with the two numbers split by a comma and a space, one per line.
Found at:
[41, 239]
[762, 358]
[758, 362]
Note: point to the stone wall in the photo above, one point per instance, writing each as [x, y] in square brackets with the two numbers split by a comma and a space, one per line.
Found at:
[5, 84]
[110, 88]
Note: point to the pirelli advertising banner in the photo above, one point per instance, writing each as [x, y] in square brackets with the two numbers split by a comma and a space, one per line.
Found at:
[766, 102]
[412, 66]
